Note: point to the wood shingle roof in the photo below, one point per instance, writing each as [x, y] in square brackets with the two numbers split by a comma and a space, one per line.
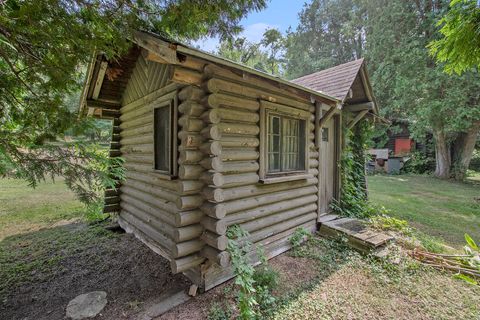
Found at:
[335, 81]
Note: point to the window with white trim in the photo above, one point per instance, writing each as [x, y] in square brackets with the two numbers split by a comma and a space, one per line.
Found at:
[283, 141]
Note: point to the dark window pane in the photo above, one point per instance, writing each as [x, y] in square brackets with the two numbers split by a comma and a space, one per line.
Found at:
[274, 125]
[325, 134]
[286, 144]
[162, 136]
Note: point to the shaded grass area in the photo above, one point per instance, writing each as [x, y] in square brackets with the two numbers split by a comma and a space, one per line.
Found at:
[24, 209]
[49, 255]
[443, 209]
[351, 286]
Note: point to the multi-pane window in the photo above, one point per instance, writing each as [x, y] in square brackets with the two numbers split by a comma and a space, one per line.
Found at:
[165, 147]
[285, 144]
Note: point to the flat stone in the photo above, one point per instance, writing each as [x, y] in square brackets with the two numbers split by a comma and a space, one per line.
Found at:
[87, 305]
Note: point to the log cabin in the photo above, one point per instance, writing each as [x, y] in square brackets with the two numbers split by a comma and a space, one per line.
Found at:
[209, 143]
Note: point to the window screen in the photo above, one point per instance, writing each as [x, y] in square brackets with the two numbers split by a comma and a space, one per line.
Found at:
[163, 138]
[286, 144]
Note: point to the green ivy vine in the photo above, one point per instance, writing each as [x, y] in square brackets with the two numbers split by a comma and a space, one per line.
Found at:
[353, 194]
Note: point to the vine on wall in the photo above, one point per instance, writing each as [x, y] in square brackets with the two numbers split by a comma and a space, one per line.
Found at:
[353, 195]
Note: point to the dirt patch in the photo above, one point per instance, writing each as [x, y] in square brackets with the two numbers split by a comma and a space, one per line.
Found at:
[43, 270]
[294, 273]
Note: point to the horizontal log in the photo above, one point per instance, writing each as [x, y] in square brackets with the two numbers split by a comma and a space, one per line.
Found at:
[153, 179]
[190, 139]
[139, 139]
[212, 148]
[221, 258]
[214, 210]
[188, 232]
[191, 108]
[112, 192]
[111, 208]
[268, 221]
[114, 153]
[217, 100]
[116, 137]
[215, 116]
[219, 210]
[142, 235]
[140, 148]
[216, 131]
[216, 164]
[116, 129]
[111, 200]
[214, 240]
[141, 186]
[190, 156]
[185, 263]
[147, 214]
[191, 93]
[221, 195]
[166, 244]
[229, 141]
[188, 247]
[190, 171]
[239, 154]
[212, 71]
[186, 76]
[191, 124]
[139, 121]
[154, 200]
[214, 225]
[185, 218]
[189, 202]
[218, 179]
[255, 213]
[216, 85]
[147, 128]
[189, 186]
[142, 208]
[303, 221]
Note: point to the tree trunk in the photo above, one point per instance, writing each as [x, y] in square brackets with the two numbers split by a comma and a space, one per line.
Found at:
[463, 148]
[442, 155]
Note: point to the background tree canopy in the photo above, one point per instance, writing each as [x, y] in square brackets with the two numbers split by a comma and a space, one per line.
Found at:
[44, 48]
[393, 36]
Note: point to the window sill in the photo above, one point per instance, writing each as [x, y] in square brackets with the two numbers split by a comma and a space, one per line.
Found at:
[162, 175]
[270, 180]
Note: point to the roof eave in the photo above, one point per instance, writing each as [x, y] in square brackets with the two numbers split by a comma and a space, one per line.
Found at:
[168, 50]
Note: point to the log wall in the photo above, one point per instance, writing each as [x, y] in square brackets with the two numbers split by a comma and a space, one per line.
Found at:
[163, 212]
[233, 192]
[218, 185]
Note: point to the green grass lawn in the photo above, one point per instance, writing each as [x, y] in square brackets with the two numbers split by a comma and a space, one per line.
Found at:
[443, 209]
[24, 209]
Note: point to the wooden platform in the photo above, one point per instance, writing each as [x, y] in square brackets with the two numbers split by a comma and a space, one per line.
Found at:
[359, 235]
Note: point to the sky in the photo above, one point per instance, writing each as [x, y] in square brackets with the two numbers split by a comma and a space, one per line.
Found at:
[279, 14]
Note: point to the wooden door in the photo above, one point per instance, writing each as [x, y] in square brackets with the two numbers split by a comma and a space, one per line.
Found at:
[328, 169]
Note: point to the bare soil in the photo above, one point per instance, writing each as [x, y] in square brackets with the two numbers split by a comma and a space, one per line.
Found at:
[294, 273]
[73, 259]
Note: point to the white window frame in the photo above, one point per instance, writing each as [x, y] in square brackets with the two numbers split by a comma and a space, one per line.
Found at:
[269, 108]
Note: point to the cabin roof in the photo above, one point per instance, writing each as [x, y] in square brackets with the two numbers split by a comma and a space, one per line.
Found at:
[348, 82]
[172, 52]
[335, 81]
